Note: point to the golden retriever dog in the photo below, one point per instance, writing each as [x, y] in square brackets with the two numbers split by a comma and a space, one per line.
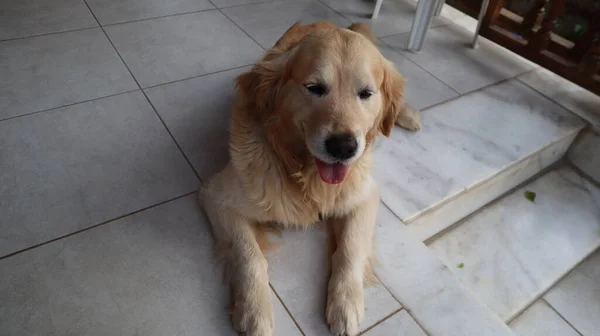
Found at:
[301, 130]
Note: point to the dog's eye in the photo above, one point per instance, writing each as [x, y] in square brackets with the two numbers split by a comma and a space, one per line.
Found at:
[316, 89]
[365, 94]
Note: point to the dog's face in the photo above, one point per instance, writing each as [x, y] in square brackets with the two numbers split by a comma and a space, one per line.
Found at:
[337, 91]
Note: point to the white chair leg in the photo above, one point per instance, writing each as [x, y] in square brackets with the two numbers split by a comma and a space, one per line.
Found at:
[420, 24]
[484, 6]
[439, 7]
[377, 8]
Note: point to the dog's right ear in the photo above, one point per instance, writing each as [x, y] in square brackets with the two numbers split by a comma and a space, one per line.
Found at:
[259, 87]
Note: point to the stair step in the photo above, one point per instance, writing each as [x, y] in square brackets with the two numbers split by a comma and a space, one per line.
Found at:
[470, 151]
[514, 250]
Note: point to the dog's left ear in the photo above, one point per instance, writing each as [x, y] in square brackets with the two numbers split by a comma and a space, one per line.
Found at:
[259, 87]
[392, 90]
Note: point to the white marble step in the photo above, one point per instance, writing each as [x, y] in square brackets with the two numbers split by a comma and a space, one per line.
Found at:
[512, 251]
[470, 151]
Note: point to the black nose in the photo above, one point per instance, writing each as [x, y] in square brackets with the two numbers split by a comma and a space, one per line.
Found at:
[341, 146]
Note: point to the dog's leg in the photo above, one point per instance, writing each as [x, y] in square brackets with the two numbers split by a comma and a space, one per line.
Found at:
[408, 117]
[353, 236]
[246, 269]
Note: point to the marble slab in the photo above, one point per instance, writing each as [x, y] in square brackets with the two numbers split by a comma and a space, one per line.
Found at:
[399, 324]
[572, 96]
[464, 142]
[514, 250]
[585, 154]
[577, 297]
[298, 271]
[435, 220]
[541, 320]
[152, 273]
[432, 294]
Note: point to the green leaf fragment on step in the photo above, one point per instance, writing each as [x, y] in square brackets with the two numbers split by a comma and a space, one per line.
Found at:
[530, 195]
[461, 265]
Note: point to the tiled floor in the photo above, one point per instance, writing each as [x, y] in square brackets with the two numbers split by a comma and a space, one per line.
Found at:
[112, 112]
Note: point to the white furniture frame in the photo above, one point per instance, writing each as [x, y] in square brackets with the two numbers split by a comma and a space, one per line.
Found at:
[426, 10]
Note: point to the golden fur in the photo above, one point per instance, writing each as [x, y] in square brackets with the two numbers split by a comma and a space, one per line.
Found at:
[272, 181]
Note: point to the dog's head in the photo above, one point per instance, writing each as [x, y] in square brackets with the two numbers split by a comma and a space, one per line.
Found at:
[328, 96]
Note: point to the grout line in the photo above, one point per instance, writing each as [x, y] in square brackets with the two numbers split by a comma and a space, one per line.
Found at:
[560, 315]
[500, 170]
[322, 2]
[206, 74]
[417, 322]
[146, 96]
[46, 34]
[385, 318]
[551, 167]
[595, 128]
[247, 4]
[581, 173]
[286, 309]
[68, 105]
[540, 295]
[419, 66]
[93, 226]
[154, 17]
[235, 23]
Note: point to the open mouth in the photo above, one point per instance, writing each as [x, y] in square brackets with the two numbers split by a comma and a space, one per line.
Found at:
[332, 173]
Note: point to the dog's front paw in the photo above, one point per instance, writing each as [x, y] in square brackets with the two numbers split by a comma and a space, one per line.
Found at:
[409, 118]
[252, 315]
[345, 306]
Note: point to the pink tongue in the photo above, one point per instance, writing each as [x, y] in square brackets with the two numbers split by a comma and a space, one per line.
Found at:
[332, 173]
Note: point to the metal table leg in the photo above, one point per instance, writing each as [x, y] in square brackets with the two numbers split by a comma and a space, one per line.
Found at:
[377, 8]
[439, 7]
[484, 6]
[420, 24]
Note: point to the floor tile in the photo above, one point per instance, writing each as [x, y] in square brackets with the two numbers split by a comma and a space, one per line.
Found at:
[573, 97]
[50, 71]
[20, 18]
[541, 320]
[118, 11]
[400, 324]
[177, 47]
[395, 16]
[576, 297]
[463, 142]
[422, 89]
[152, 273]
[585, 154]
[284, 325]
[515, 249]
[66, 169]
[436, 299]
[231, 3]
[266, 22]
[430, 223]
[196, 112]
[298, 272]
[448, 56]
